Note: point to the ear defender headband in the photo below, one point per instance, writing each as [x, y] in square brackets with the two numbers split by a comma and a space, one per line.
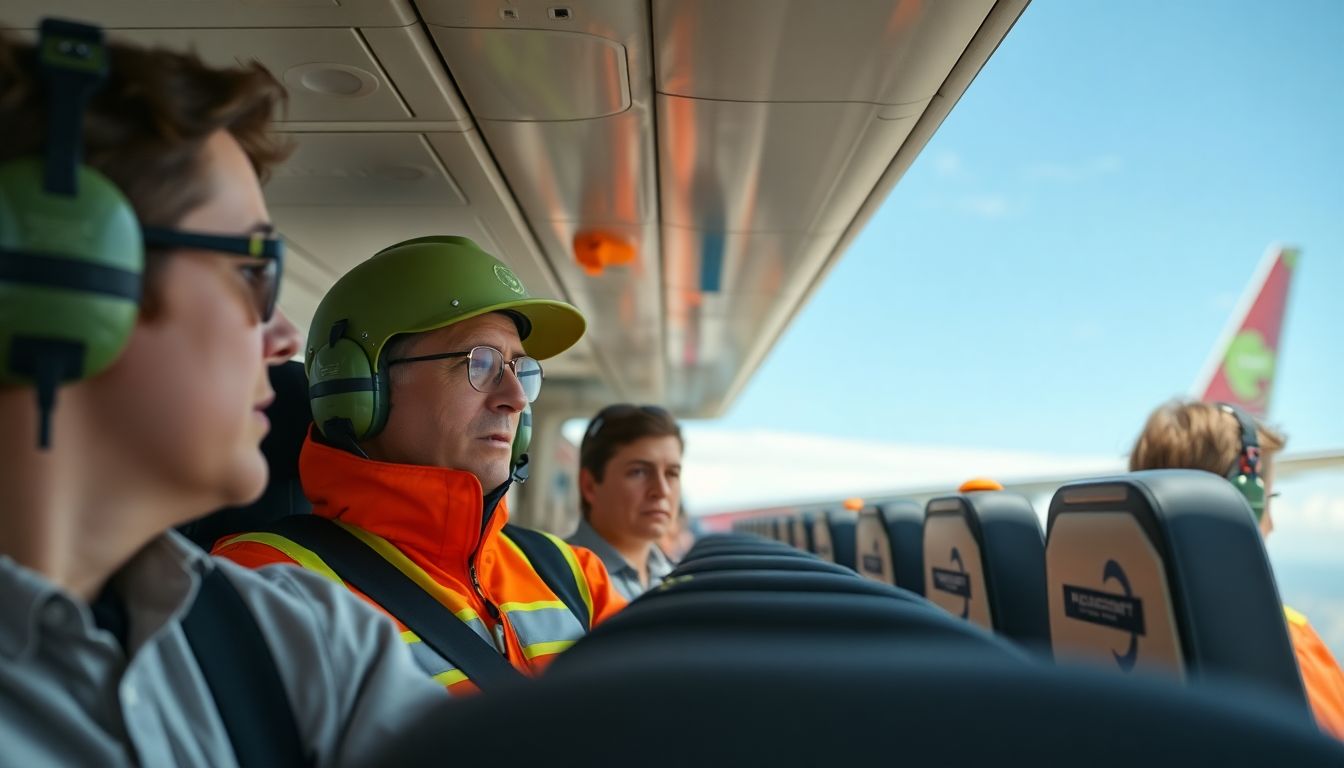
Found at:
[1245, 470]
[71, 253]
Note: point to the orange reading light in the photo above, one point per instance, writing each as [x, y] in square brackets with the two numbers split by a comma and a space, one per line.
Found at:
[854, 504]
[980, 484]
[595, 251]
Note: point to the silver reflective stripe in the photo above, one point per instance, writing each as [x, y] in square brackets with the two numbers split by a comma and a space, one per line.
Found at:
[544, 625]
[479, 628]
[428, 659]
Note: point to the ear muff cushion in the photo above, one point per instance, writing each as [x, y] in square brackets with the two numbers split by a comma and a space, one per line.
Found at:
[1253, 488]
[73, 265]
[342, 385]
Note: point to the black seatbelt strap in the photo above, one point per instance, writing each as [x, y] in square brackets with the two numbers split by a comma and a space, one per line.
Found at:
[238, 666]
[360, 566]
[553, 568]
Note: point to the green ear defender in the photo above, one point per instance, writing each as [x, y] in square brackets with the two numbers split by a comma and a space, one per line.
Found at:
[1245, 470]
[71, 254]
[347, 396]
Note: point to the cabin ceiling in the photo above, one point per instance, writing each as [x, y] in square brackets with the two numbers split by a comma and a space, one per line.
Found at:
[733, 147]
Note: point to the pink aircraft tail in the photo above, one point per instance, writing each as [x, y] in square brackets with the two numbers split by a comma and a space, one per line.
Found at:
[1242, 367]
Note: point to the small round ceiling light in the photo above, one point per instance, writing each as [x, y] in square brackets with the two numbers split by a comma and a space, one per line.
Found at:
[328, 79]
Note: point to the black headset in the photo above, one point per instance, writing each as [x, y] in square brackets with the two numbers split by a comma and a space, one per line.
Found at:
[71, 250]
[1245, 470]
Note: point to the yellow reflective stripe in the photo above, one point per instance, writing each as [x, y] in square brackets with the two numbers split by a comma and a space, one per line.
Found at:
[570, 558]
[574, 566]
[546, 649]
[414, 572]
[536, 606]
[451, 677]
[407, 636]
[306, 558]
[1294, 617]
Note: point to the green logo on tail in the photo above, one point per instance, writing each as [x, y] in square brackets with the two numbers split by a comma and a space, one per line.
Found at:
[1249, 366]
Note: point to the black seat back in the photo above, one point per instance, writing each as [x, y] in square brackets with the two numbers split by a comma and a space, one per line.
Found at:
[1165, 572]
[984, 560]
[889, 542]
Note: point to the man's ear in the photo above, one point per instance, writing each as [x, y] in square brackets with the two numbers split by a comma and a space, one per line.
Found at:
[587, 485]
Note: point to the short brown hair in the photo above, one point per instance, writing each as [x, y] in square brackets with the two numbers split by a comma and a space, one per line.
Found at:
[1195, 435]
[145, 127]
[617, 426]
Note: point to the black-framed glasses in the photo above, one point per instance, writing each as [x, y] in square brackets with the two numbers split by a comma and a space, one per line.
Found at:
[620, 411]
[263, 281]
[485, 369]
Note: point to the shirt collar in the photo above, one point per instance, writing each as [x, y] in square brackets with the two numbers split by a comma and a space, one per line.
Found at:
[588, 537]
[162, 578]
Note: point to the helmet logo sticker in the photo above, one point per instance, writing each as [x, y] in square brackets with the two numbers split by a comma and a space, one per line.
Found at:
[508, 279]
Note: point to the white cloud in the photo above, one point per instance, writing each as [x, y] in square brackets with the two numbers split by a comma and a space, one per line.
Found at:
[726, 470]
[1073, 173]
[948, 164]
[986, 206]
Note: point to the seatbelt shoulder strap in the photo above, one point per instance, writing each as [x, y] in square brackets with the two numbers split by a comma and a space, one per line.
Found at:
[243, 677]
[555, 563]
[360, 566]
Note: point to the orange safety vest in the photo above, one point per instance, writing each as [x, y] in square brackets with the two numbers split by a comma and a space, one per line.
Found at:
[1321, 675]
[427, 521]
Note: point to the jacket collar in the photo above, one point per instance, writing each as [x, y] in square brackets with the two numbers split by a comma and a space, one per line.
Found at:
[431, 510]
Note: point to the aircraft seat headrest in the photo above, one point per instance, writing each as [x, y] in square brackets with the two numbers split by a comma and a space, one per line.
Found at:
[984, 560]
[1165, 572]
[888, 540]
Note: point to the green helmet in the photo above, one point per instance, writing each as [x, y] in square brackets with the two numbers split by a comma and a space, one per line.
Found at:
[414, 286]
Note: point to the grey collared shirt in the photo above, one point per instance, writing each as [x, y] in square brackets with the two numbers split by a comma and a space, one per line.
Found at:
[623, 575]
[70, 695]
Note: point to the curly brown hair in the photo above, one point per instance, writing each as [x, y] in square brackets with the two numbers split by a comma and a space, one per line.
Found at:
[145, 127]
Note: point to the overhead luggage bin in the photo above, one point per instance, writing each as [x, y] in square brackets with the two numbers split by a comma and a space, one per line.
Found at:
[984, 560]
[1164, 572]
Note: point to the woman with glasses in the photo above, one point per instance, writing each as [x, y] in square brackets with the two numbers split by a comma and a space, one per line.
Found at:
[630, 493]
[421, 362]
[1223, 439]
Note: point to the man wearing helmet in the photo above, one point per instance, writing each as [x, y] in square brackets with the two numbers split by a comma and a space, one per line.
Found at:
[421, 362]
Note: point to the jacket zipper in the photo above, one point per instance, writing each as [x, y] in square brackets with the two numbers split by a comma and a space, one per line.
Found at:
[497, 631]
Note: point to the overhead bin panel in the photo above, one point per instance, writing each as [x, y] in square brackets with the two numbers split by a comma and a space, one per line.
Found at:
[537, 74]
[750, 167]
[565, 103]
[198, 14]
[876, 51]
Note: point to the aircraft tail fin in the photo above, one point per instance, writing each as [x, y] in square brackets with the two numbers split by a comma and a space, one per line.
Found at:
[1242, 367]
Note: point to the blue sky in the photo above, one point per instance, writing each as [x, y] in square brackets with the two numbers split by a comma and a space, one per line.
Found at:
[1065, 252]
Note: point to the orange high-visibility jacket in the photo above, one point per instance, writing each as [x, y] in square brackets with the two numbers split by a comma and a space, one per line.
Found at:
[427, 522]
[1321, 675]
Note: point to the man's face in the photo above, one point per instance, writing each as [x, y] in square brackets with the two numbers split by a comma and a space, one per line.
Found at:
[185, 398]
[438, 419]
[640, 490]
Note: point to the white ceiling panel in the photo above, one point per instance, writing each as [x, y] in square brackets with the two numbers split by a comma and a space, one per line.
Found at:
[376, 170]
[213, 13]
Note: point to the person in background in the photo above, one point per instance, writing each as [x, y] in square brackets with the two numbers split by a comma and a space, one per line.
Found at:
[1224, 440]
[630, 492]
